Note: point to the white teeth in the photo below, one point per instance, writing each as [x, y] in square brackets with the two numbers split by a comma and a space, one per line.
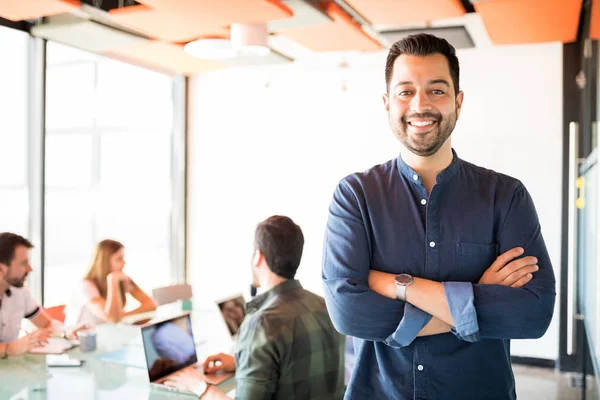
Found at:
[421, 123]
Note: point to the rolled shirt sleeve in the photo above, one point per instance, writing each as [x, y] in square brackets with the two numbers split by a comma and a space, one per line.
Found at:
[460, 298]
[32, 308]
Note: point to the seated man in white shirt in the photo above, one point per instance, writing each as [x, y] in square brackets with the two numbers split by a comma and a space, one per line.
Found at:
[16, 302]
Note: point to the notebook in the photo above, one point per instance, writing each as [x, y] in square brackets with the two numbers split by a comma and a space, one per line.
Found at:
[54, 346]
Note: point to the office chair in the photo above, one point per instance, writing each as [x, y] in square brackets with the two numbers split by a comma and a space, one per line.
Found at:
[171, 294]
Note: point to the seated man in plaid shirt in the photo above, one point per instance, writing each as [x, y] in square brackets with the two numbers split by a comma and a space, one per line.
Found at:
[287, 346]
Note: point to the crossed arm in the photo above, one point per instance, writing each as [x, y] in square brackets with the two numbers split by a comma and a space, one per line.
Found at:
[430, 297]
[111, 308]
[506, 303]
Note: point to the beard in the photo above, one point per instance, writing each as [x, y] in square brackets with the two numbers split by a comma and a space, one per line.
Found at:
[427, 143]
[16, 282]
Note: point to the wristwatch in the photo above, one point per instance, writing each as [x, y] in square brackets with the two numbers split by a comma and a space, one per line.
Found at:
[402, 282]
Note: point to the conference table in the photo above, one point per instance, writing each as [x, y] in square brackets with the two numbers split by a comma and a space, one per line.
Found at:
[29, 378]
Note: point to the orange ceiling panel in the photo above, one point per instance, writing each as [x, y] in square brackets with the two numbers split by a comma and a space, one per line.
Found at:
[530, 21]
[223, 12]
[165, 25]
[19, 10]
[165, 56]
[401, 12]
[595, 20]
[342, 34]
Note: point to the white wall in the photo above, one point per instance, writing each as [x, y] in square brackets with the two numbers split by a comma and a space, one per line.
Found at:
[276, 140]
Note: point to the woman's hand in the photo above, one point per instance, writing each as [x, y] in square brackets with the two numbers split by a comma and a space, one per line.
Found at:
[117, 276]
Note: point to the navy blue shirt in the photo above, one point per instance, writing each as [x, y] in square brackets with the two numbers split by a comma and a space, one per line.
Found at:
[383, 219]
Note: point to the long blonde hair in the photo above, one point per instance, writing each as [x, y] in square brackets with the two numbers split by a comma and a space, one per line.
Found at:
[100, 267]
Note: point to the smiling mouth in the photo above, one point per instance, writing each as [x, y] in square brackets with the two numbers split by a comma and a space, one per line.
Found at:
[421, 124]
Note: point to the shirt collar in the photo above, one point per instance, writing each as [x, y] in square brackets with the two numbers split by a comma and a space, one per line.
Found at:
[443, 176]
[283, 287]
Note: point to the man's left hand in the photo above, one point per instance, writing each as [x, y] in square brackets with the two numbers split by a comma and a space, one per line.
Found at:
[59, 330]
[188, 381]
[81, 327]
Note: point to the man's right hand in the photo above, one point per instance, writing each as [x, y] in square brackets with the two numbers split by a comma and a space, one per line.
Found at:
[220, 362]
[504, 271]
[26, 343]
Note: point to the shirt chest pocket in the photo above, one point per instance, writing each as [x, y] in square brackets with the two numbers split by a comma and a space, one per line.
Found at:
[472, 259]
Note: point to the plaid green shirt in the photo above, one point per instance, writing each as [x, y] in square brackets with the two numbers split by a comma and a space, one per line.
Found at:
[288, 348]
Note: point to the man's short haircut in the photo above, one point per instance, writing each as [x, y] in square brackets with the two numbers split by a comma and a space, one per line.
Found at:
[8, 244]
[281, 241]
[423, 44]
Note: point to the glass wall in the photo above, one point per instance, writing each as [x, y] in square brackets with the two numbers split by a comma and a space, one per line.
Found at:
[14, 122]
[588, 270]
[109, 128]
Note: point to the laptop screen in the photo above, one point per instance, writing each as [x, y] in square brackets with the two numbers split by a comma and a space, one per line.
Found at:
[169, 346]
[233, 311]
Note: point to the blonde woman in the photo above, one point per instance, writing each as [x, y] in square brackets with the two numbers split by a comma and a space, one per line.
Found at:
[101, 296]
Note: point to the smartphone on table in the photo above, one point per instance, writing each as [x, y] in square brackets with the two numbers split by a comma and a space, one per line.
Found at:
[62, 360]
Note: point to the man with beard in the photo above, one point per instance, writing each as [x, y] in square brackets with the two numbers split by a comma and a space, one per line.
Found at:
[287, 347]
[424, 261]
[16, 302]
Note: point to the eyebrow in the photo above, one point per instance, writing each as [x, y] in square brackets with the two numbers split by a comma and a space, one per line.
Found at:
[432, 82]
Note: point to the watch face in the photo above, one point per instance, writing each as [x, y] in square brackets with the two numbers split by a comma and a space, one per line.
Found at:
[403, 279]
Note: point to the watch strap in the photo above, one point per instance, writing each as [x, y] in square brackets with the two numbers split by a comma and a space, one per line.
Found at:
[401, 292]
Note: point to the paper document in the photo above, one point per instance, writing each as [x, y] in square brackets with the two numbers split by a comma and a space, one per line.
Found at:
[54, 346]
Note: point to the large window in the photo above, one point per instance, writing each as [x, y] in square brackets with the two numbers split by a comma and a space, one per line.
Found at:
[109, 172]
[14, 122]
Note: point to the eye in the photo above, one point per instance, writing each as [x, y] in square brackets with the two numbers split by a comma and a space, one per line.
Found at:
[404, 93]
[437, 91]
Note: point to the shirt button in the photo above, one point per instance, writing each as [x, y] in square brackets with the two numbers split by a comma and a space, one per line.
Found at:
[423, 201]
[415, 177]
[431, 244]
[420, 367]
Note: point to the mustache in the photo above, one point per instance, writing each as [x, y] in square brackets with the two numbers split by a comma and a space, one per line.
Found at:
[430, 115]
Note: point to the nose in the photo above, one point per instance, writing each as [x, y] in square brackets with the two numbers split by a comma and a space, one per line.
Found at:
[29, 269]
[420, 102]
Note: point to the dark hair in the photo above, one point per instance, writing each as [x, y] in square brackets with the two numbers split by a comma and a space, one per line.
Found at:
[281, 241]
[423, 44]
[8, 244]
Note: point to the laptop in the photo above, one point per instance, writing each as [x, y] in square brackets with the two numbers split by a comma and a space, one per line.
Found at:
[170, 349]
[233, 311]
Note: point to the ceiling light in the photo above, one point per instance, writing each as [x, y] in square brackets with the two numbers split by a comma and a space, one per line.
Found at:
[250, 39]
[210, 49]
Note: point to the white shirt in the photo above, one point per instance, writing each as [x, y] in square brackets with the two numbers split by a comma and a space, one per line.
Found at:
[15, 304]
[77, 311]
